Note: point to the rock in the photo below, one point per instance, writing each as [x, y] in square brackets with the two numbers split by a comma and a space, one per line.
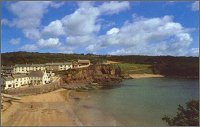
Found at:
[100, 73]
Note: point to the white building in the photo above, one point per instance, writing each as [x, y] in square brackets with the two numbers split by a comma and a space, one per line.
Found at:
[58, 66]
[20, 80]
[81, 64]
[39, 77]
[7, 82]
[15, 81]
[26, 68]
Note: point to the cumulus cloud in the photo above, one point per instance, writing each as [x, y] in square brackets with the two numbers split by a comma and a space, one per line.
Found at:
[195, 6]
[113, 7]
[49, 43]
[112, 31]
[29, 47]
[6, 22]
[15, 41]
[55, 28]
[81, 28]
[193, 52]
[84, 20]
[81, 22]
[151, 36]
[56, 4]
[28, 15]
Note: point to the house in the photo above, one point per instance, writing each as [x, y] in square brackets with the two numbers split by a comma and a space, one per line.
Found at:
[58, 66]
[26, 68]
[81, 64]
[6, 69]
[39, 77]
[20, 80]
[7, 82]
[14, 81]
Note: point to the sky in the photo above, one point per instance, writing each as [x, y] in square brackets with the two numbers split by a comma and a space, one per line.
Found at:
[115, 28]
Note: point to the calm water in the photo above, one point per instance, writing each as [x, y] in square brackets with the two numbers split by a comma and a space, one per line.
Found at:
[145, 101]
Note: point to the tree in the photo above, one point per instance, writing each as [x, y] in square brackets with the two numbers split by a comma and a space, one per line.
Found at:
[185, 117]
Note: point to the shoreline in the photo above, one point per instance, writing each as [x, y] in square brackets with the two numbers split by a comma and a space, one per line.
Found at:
[57, 108]
[138, 76]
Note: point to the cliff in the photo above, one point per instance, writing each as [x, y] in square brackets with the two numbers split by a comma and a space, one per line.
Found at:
[101, 74]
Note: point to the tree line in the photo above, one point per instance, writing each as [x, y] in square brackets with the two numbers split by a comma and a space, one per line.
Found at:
[165, 65]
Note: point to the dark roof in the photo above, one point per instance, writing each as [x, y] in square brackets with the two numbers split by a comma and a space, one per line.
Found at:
[6, 68]
[65, 63]
[19, 75]
[9, 78]
[83, 61]
[36, 74]
[29, 65]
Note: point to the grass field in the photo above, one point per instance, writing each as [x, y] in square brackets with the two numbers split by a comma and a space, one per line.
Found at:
[135, 68]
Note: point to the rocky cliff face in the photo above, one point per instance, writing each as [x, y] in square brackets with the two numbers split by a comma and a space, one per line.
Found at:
[101, 74]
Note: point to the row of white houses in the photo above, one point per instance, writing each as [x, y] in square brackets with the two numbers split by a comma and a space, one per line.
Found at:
[21, 75]
[26, 68]
[20, 80]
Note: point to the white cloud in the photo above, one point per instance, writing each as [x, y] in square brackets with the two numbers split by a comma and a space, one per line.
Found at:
[195, 6]
[92, 48]
[15, 41]
[5, 22]
[55, 28]
[32, 33]
[112, 31]
[140, 35]
[29, 47]
[57, 4]
[28, 16]
[113, 7]
[49, 43]
[78, 40]
[84, 20]
[66, 49]
[150, 36]
[80, 26]
[81, 22]
[193, 52]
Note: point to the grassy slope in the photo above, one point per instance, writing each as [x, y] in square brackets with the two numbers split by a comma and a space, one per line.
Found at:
[135, 68]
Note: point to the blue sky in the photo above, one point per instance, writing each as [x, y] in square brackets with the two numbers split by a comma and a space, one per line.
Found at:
[118, 28]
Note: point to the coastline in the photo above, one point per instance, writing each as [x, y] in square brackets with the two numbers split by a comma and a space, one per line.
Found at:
[137, 76]
[60, 107]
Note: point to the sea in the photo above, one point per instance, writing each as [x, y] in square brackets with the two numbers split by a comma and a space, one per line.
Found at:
[137, 102]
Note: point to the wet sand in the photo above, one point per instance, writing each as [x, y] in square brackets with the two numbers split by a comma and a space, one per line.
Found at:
[58, 108]
[136, 76]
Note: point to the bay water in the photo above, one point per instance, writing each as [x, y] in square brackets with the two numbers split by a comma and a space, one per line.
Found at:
[143, 101]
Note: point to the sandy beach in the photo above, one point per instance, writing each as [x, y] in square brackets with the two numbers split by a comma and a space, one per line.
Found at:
[40, 110]
[54, 108]
[136, 76]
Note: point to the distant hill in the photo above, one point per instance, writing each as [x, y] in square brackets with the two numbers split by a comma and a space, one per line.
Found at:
[12, 58]
[166, 65]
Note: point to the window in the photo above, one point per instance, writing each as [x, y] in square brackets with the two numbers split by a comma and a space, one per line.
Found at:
[9, 85]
